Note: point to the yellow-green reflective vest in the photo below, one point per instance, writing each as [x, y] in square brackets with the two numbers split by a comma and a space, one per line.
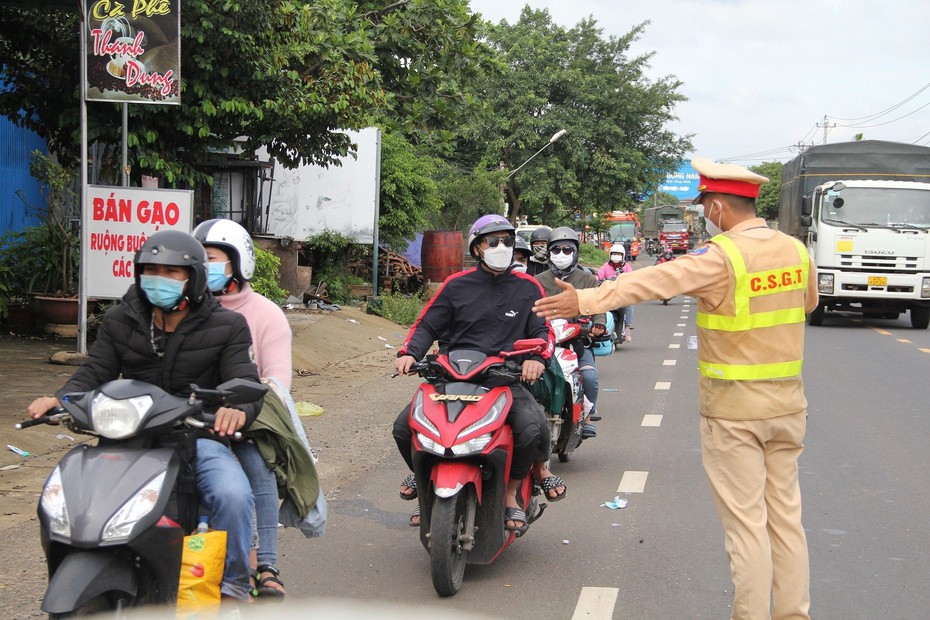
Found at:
[749, 285]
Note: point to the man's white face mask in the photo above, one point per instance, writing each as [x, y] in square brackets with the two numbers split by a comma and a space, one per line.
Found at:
[561, 261]
[499, 258]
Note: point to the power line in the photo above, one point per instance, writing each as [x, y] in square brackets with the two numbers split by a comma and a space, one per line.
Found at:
[871, 117]
[888, 122]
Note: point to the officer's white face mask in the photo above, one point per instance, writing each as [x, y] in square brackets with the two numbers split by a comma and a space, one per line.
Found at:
[714, 229]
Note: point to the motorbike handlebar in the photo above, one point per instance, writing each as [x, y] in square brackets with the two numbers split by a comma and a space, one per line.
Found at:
[207, 423]
[52, 416]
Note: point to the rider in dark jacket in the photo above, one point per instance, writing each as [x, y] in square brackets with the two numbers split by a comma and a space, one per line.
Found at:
[487, 309]
[169, 331]
[564, 247]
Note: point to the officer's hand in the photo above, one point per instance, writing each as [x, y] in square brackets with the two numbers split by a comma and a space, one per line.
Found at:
[598, 330]
[40, 406]
[228, 421]
[532, 370]
[403, 363]
[561, 306]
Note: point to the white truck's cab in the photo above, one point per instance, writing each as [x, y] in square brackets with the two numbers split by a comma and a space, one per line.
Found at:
[870, 241]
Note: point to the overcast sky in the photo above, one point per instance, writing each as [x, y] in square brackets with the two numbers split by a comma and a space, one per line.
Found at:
[760, 75]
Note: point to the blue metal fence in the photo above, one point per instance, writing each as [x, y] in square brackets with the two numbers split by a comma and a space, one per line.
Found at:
[16, 144]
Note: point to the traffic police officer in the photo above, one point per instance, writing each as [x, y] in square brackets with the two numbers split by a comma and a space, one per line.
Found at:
[753, 287]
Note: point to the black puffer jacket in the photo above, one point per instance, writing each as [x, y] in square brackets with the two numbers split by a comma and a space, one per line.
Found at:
[211, 345]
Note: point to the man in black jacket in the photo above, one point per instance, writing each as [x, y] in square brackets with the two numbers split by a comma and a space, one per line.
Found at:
[168, 331]
[487, 309]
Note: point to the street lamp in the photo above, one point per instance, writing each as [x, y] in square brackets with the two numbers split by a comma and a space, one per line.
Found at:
[554, 137]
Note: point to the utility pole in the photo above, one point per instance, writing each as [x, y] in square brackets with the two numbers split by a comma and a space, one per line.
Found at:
[826, 126]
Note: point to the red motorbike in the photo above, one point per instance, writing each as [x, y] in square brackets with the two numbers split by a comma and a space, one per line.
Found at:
[462, 453]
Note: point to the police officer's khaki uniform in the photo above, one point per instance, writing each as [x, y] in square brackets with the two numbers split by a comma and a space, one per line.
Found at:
[753, 285]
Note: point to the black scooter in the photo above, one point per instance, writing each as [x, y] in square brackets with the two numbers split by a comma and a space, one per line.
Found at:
[113, 516]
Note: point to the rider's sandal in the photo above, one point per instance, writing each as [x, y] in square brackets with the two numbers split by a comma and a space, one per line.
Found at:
[266, 591]
[415, 515]
[550, 484]
[516, 514]
[411, 483]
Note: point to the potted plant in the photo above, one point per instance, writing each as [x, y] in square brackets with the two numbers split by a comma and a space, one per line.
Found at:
[48, 254]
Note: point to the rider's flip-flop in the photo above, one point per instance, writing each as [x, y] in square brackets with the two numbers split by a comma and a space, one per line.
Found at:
[550, 484]
[411, 483]
[515, 514]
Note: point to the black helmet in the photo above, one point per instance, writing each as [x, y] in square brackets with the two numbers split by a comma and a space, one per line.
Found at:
[563, 233]
[484, 225]
[540, 252]
[520, 245]
[173, 247]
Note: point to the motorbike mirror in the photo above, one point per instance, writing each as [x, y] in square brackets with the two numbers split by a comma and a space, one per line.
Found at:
[232, 392]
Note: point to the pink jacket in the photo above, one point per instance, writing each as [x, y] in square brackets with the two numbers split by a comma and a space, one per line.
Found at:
[608, 271]
[271, 333]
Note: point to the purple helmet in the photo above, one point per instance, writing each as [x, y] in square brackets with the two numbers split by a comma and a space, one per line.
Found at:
[484, 225]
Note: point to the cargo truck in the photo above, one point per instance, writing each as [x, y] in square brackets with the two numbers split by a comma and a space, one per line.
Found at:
[863, 211]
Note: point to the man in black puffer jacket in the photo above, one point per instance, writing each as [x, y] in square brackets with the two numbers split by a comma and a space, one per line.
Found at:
[169, 331]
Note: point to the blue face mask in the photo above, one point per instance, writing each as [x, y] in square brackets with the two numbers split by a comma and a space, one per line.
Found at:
[216, 276]
[166, 293]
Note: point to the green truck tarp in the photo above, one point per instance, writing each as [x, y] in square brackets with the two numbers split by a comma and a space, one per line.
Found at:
[872, 160]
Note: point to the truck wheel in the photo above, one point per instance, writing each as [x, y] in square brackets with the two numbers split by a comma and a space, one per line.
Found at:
[815, 318]
[920, 317]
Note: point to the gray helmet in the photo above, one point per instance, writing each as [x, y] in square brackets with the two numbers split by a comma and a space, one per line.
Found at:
[173, 247]
[520, 245]
[484, 225]
[563, 233]
[540, 234]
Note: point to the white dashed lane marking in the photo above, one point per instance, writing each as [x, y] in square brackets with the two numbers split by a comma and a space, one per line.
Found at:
[674, 346]
[596, 604]
[633, 482]
[681, 325]
[679, 334]
[669, 362]
[663, 385]
[652, 419]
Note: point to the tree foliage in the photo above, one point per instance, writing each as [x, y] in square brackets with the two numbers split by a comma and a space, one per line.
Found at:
[617, 145]
[409, 194]
[767, 202]
[284, 74]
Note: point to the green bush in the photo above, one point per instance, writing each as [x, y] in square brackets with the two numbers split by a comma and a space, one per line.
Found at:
[330, 252]
[265, 278]
[590, 256]
[402, 309]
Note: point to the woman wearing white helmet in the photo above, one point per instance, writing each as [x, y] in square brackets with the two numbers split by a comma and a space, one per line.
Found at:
[231, 256]
[614, 266]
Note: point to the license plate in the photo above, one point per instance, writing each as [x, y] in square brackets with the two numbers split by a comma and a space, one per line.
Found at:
[878, 281]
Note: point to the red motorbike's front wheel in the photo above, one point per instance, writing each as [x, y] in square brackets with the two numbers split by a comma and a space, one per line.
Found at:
[446, 533]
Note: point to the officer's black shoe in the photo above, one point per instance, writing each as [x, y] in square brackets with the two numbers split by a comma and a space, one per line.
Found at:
[588, 431]
[594, 416]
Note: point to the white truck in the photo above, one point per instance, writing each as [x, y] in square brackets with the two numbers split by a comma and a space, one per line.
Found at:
[863, 210]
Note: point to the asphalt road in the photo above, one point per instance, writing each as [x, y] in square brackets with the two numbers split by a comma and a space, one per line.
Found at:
[863, 484]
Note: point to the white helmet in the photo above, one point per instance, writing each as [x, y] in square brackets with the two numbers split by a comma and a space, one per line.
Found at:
[234, 240]
[617, 248]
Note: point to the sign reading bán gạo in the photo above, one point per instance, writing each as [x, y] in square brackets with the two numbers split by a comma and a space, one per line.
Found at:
[121, 219]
